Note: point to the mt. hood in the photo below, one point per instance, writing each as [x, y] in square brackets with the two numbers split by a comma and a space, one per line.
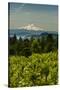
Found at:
[31, 27]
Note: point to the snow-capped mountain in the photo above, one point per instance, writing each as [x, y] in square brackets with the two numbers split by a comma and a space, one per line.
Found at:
[31, 27]
[31, 30]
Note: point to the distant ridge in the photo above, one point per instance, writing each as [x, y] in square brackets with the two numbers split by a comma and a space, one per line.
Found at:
[28, 33]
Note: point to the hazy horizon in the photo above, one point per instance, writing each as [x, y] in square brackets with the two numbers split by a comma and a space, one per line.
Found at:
[33, 16]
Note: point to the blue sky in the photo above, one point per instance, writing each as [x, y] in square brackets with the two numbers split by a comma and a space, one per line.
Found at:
[24, 15]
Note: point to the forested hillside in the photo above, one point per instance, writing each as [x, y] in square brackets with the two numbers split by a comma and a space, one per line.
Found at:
[26, 47]
[33, 62]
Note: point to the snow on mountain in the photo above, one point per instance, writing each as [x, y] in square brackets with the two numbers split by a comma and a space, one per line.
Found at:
[31, 27]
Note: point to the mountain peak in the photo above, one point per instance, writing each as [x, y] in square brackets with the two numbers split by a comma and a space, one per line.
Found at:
[31, 27]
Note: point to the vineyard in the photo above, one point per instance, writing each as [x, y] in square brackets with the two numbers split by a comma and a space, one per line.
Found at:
[35, 70]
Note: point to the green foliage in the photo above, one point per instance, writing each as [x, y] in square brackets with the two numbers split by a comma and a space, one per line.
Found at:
[35, 46]
[27, 46]
[35, 70]
[33, 62]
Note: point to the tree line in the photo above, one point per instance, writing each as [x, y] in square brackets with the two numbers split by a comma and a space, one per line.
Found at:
[26, 47]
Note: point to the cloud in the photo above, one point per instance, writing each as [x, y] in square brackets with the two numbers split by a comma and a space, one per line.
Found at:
[31, 27]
